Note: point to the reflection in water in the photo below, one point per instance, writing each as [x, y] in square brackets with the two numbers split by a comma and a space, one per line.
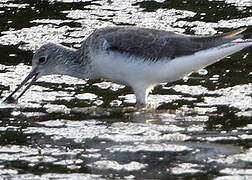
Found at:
[69, 128]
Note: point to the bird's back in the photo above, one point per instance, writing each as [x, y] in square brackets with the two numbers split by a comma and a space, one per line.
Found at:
[154, 44]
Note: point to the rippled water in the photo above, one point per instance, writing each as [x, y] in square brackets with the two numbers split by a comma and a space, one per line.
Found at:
[66, 128]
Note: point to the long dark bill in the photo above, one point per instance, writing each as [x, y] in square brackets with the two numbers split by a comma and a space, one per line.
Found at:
[32, 75]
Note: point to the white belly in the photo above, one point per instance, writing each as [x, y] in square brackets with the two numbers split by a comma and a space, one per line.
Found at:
[128, 70]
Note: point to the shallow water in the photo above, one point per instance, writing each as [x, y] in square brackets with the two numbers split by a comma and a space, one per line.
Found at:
[66, 128]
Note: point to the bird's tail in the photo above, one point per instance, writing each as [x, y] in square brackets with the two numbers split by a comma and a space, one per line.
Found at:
[235, 34]
[220, 39]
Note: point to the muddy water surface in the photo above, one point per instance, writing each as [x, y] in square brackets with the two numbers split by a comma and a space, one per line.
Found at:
[66, 128]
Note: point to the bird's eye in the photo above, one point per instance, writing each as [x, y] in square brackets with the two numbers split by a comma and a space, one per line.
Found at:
[42, 60]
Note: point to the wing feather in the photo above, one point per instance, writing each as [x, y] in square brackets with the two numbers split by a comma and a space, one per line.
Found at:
[154, 44]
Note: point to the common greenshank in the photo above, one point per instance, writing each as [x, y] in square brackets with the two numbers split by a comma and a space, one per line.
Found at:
[141, 58]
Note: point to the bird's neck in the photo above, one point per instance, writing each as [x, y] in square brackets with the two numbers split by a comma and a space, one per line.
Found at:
[75, 63]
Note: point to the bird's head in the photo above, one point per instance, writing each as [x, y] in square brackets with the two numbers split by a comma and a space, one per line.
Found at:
[46, 60]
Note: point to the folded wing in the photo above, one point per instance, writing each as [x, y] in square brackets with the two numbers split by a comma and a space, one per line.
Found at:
[155, 44]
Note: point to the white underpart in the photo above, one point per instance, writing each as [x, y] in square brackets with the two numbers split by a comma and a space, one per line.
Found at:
[142, 75]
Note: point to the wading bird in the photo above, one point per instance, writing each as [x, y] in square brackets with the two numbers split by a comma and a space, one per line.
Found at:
[141, 58]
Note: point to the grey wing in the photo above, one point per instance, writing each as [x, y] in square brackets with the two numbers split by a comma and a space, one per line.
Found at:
[154, 44]
[146, 43]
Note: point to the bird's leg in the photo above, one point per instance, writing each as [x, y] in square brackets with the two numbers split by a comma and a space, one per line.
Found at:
[141, 97]
[141, 102]
[142, 93]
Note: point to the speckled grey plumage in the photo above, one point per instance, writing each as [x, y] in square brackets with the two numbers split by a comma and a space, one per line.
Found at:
[153, 44]
[128, 55]
[76, 61]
